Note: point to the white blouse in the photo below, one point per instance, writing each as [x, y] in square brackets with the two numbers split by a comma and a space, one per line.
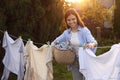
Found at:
[75, 41]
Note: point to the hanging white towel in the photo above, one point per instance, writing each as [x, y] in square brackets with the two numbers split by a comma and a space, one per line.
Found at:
[38, 62]
[107, 3]
[13, 59]
[102, 67]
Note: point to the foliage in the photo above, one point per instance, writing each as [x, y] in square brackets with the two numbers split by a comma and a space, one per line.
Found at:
[61, 72]
[117, 19]
[105, 44]
[35, 19]
[38, 20]
[95, 16]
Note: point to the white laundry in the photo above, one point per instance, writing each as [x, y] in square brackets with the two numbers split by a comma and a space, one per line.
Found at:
[118, 76]
[107, 3]
[102, 67]
[13, 59]
[38, 62]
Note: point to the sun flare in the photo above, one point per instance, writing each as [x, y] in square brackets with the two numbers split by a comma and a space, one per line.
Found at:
[74, 0]
[78, 4]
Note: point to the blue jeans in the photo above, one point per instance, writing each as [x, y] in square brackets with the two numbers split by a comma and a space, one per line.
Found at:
[75, 71]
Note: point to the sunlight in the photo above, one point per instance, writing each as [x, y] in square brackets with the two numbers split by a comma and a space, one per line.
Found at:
[78, 4]
[74, 1]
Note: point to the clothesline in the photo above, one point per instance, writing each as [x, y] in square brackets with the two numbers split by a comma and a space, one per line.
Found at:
[23, 39]
[26, 61]
[49, 42]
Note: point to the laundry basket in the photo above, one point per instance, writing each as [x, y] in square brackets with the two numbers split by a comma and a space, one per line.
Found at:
[63, 56]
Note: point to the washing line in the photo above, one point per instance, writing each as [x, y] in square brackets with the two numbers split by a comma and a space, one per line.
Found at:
[49, 42]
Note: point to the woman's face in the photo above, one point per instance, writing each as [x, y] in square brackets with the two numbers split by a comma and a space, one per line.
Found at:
[72, 21]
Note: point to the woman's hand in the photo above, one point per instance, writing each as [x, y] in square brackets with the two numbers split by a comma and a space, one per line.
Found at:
[90, 45]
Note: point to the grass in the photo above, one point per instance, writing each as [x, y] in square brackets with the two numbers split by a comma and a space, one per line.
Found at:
[12, 76]
[60, 73]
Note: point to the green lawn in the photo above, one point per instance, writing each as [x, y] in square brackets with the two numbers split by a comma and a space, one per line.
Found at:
[60, 73]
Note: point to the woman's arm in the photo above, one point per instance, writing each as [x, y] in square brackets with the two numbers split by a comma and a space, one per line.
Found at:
[59, 39]
[90, 40]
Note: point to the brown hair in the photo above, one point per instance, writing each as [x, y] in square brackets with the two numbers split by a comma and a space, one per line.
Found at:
[73, 12]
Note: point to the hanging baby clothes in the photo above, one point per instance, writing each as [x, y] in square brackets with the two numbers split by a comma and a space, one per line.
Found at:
[13, 59]
[102, 67]
[38, 62]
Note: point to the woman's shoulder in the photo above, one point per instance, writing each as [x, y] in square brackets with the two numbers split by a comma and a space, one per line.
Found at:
[85, 29]
[67, 31]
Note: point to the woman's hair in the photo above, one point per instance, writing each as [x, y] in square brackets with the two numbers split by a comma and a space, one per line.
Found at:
[75, 13]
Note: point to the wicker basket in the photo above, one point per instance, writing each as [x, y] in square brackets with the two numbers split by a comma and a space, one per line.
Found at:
[63, 56]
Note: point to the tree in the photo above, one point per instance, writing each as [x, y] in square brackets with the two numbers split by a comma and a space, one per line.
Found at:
[35, 19]
[117, 19]
[38, 20]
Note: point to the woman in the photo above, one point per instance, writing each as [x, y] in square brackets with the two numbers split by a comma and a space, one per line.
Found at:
[78, 35]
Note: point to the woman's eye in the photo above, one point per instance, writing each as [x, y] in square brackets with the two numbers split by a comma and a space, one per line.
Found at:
[68, 20]
[73, 19]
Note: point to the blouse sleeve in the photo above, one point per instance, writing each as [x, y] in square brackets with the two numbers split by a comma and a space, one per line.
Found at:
[60, 38]
[89, 38]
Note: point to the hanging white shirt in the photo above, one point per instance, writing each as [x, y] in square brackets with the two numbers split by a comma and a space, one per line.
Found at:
[102, 67]
[13, 59]
[39, 62]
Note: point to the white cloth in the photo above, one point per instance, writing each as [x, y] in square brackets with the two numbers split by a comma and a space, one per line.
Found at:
[39, 62]
[102, 67]
[118, 76]
[13, 59]
[107, 3]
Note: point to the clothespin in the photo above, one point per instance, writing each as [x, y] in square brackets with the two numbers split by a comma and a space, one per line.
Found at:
[5, 31]
[48, 43]
[20, 37]
[84, 46]
[29, 39]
